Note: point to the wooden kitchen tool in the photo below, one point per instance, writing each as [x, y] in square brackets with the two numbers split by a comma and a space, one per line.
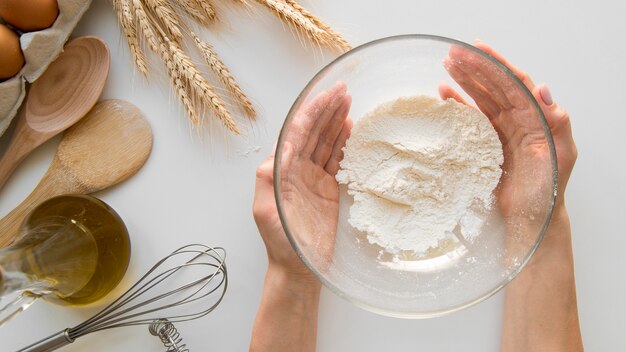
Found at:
[110, 144]
[67, 90]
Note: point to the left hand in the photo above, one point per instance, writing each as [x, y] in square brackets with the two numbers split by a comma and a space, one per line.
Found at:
[311, 153]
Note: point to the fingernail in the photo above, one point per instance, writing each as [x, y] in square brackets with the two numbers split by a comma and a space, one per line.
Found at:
[546, 96]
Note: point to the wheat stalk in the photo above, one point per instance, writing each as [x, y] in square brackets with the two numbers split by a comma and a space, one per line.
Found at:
[210, 56]
[166, 14]
[341, 43]
[126, 19]
[296, 19]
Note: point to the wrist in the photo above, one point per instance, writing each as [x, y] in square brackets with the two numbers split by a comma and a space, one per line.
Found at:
[287, 316]
[299, 280]
[560, 219]
[553, 258]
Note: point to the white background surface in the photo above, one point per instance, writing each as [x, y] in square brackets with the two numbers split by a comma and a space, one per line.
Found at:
[192, 190]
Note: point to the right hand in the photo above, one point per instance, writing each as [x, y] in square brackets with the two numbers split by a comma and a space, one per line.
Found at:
[512, 116]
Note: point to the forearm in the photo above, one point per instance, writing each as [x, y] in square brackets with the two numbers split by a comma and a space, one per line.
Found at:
[287, 316]
[540, 311]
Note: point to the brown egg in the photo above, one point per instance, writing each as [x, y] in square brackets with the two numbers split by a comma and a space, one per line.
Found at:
[11, 56]
[29, 15]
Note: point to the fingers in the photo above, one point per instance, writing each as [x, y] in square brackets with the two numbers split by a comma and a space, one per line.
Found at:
[337, 93]
[304, 119]
[332, 166]
[559, 122]
[312, 119]
[504, 91]
[496, 82]
[328, 137]
[481, 96]
[447, 92]
[264, 205]
[557, 118]
[264, 173]
[523, 76]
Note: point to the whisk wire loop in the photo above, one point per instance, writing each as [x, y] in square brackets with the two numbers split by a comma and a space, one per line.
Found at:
[168, 334]
[153, 294]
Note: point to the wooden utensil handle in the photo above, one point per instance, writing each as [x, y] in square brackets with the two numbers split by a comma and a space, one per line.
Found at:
[7, 164]
[12, 157]
[52, 184]
[17, 149]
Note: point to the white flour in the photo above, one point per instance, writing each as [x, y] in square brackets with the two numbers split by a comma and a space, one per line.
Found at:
[418, 168]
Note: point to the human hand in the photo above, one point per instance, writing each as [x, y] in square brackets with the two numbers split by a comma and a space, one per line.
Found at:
[526, 184]
[310, 160]
[512, 116]
[310, 155]
[540, 311]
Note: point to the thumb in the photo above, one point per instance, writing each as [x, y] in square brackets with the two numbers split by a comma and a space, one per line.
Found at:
[559, 122]
[556, 116]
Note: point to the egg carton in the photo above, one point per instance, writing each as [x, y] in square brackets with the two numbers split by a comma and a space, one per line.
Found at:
[40, 48]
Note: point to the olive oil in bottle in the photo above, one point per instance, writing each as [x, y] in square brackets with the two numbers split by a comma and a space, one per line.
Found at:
[72, 250]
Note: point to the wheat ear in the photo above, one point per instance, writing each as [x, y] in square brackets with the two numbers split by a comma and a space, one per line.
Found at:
[341, 43]
[210, 56]
[296, 19]
[127, 22]
[207, 8]
[182, 91]
[198, 85]
[193, 9]
[144, 24]
[168, 17]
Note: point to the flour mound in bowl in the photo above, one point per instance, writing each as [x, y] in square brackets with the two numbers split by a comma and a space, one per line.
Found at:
[417, 169]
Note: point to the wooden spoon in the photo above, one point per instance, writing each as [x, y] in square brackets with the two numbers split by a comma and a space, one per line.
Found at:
[110, 144]
[67, 90]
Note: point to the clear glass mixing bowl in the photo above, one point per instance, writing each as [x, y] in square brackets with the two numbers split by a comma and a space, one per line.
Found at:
[461, 273]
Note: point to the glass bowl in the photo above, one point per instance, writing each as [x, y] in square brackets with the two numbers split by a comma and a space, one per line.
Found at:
[465, 271]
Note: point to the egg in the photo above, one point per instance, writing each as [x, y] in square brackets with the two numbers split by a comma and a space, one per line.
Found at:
[29, 15]
[11, 56]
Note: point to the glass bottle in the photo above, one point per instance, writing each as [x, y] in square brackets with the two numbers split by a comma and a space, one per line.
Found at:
[72, 250]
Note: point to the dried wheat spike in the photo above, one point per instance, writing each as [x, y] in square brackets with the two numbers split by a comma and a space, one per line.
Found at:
[341, 43]
[207, 8]
[210, 56]
[193, 9]
[144, 24]
[299, 21]
[181, 89]
[127, 22]
[198, 85]
[163, 11]
[182, 93]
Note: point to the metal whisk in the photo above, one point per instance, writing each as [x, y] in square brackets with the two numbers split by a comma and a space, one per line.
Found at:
[164, 292]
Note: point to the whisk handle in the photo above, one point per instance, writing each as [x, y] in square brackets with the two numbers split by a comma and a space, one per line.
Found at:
[50, 343]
